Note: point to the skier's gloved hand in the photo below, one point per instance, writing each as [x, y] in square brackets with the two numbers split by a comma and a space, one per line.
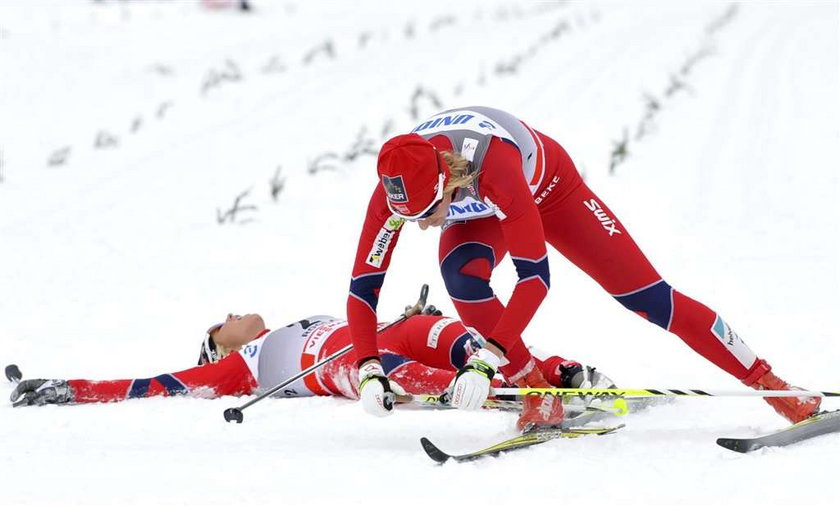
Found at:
[431, 310]
[588, 377]
[471, 386]
[574, 375]
[37, 392]
[378, 394]
[565, 373]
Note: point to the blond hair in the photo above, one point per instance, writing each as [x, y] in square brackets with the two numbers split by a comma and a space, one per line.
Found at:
[224, 351]
[459, 171]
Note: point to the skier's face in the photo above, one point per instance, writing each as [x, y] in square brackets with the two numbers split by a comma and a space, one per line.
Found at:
[239, 330]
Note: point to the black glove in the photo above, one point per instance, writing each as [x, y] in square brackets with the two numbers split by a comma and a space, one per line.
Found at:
[432, 310]
[37, 392]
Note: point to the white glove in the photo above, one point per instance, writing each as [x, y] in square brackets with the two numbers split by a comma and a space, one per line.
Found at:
[471, 386]
[378, 394]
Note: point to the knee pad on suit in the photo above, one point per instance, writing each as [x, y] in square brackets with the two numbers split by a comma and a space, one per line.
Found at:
[466, 272]
[654, 303]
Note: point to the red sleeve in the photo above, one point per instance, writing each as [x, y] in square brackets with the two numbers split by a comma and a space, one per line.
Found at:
[417, 378]
[229, 376]
[504, 184]
[373, 255]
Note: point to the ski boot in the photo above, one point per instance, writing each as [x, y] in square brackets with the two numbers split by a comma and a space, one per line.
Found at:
[539, 411]
[795, 409]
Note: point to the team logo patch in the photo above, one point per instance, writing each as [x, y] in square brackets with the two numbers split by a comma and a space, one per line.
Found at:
[395, 188]
[383, 241]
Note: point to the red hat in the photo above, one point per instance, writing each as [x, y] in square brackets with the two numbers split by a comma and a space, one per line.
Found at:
[413, 174]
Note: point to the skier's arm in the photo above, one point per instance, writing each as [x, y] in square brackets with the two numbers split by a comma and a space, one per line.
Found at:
[229, 376]
[503, 182]
[373, 255]
[417, 378]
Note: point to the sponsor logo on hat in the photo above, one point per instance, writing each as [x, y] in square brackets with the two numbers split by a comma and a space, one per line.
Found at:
[395, 188]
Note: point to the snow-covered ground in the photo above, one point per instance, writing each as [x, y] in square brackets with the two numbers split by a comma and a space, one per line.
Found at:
[113, 260]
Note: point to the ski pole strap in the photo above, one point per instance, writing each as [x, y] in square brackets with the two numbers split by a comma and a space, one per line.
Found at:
[659, 392]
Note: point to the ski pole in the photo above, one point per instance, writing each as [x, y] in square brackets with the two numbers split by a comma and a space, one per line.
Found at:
[235, 414]
[616, 406]
[659, 392]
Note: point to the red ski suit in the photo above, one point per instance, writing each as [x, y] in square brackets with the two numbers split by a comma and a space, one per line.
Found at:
[421, 354]
[547, 204]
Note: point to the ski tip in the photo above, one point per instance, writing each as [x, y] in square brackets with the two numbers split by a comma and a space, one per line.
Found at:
[433, 451]
[736, 445]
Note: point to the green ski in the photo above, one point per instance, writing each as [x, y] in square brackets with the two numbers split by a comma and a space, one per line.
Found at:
[523, 441]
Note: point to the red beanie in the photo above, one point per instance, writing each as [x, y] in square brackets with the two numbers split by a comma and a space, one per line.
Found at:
[409, 167]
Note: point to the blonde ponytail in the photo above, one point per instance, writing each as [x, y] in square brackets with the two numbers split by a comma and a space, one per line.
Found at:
[458, 170]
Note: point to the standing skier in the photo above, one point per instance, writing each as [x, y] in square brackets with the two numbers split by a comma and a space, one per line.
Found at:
[497, 186]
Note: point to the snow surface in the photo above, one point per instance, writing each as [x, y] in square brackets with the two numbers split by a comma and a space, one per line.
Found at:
[112, 263]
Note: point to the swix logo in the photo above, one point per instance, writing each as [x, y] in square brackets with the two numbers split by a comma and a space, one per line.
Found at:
[250, 350]
[487, 124]
[606, 222]
[548, 189]
[474, 207]
[458, 119]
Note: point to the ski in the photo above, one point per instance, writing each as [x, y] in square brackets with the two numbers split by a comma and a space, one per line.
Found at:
[523, 441]
[817, 425]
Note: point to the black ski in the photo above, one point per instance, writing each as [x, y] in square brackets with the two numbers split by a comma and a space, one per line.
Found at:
[817, 425]
[524, 441]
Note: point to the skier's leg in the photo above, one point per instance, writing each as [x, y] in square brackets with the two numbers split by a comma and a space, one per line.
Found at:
[587, 232]
[435, 341]
[423, 353]
[468, 254]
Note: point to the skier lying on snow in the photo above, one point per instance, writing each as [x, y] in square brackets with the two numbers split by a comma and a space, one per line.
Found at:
[240, 356]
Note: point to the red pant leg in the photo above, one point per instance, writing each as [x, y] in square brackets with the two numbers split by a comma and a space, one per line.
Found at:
[582, 228]
[423, 353]
[435, 341]
[468, 254]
